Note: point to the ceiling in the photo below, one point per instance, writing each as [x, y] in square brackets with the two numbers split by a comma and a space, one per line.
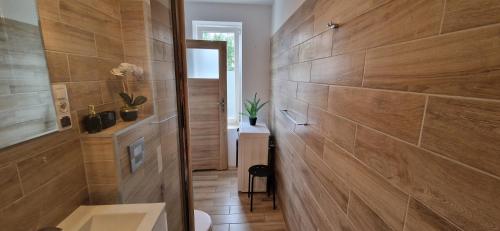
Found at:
[260, 2]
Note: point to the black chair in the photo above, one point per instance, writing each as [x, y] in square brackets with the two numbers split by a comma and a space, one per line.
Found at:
[264, 171]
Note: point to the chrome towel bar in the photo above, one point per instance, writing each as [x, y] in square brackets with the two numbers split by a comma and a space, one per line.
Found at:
[285, 112]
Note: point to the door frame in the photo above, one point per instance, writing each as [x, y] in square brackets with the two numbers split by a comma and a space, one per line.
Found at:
[221, 46]
[179, 45]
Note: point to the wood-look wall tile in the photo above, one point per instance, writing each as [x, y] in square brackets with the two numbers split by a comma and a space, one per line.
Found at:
[48, 9]
[10, 185]
[65, 38]
[464, 63]
[109, 47]
[103, 194]
[83, 16]
[383, 155]
[334, 128]
[463, 14]
[397, 21]
[340, 12]
[462, 195]
[282, 73]
[110, 90]
[161, 13]
[297, 109]
[303, 32]
[40, 169]
[65, 185]
[346, 69]
[97, 149]
[162, 32]
[364, 218]
[335, 186]
[57, 64]
[82, 94]
[398, 114]
[324, 212]
[300, 72]
[464, 130]
[314, 94]
[422, 218]
[71, 203]
[101, 172]
[316, 47]
[311, 137]
[109, 7]
[14, 216]
[162, 70]
[162, 51]
[385, 200]
[85, 68]
[338, 130]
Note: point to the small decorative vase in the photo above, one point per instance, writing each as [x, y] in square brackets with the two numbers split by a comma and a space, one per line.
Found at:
[129, 114]
[253, 121]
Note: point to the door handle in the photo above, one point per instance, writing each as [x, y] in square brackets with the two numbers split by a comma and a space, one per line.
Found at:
[222, 104]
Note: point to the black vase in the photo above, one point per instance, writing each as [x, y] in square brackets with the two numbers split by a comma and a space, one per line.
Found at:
[253, 121]
[129, 114]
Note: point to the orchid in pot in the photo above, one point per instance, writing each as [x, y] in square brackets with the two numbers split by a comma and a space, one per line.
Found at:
[129, 112]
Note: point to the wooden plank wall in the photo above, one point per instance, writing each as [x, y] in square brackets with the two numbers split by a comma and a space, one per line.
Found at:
[403, 106]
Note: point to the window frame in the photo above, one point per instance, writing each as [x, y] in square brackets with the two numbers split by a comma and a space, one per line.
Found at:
[199, 27]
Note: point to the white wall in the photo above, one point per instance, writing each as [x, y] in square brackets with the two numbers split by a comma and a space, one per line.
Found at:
[282, 10]
[256, 41]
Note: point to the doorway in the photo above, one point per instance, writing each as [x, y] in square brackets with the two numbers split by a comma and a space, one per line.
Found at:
[207, 73]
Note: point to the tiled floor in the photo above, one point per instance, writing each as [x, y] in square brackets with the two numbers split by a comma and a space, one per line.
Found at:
[216, 192]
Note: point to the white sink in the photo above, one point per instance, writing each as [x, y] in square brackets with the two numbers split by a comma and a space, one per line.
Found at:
[127, 217]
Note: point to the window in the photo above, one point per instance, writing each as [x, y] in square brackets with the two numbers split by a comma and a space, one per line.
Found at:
[231, 33]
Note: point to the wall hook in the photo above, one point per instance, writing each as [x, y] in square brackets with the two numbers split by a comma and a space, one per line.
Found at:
[333, 25]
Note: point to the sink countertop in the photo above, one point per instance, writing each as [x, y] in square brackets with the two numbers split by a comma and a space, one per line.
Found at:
[83, 214]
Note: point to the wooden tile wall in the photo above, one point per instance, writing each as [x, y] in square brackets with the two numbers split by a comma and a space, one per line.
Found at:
[403, 113]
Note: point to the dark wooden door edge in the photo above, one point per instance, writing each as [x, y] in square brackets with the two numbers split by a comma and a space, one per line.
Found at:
[182, 107]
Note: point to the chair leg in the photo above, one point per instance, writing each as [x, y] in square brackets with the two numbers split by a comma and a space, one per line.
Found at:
[251, 195]
[268, 186]
[274, 192]
[248, 189]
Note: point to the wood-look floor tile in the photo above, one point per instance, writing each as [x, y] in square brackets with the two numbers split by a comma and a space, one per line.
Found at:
[229, 207]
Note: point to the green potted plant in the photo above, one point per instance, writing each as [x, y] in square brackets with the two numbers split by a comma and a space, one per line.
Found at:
[252, 108]
[129, 112]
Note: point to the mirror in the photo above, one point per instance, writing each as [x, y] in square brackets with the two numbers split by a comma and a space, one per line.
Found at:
[26, 106]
